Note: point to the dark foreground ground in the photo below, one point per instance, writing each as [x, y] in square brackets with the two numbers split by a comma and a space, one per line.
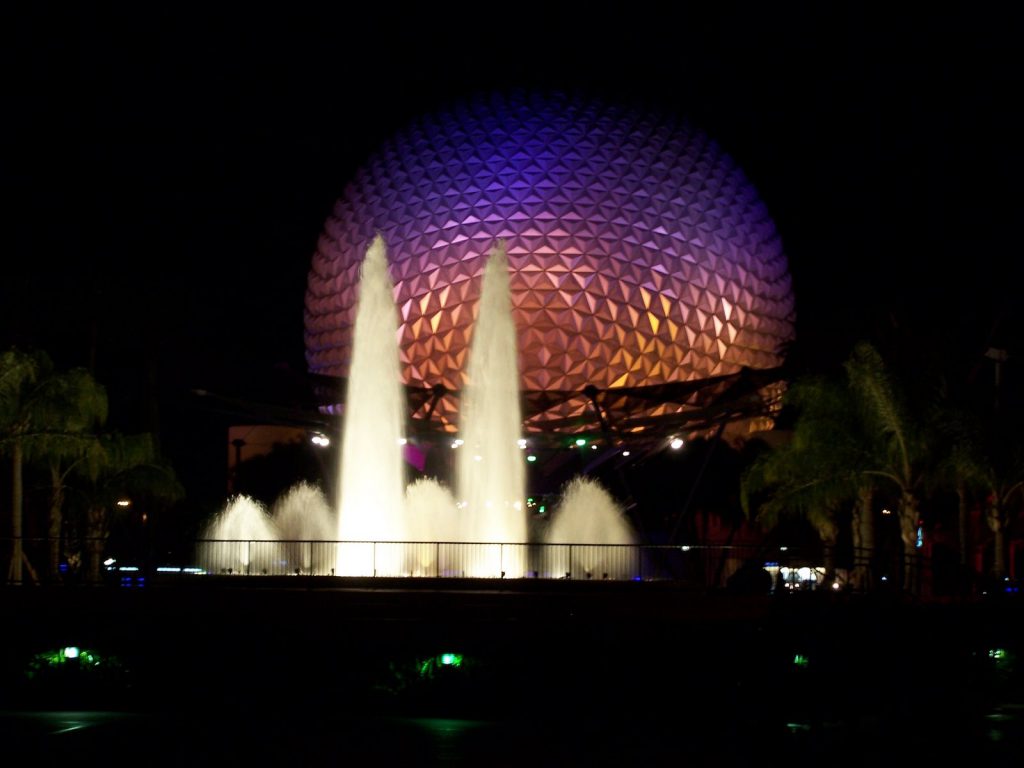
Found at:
[301, 673]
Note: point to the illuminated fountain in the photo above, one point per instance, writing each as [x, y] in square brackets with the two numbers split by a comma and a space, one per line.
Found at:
[487, 510]
[370, 496]
[304, 522]
[588, 518]
[384, 528]
[227, 542]
[246, 538]
[490, 480]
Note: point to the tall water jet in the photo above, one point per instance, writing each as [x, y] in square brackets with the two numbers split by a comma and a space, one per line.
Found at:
[372, 474]
[490, 480]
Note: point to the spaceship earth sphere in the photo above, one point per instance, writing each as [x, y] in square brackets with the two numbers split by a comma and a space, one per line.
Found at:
[639, 253]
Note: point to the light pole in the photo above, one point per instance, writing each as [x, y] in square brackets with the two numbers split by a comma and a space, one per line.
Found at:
[239, 443]
[998, 356]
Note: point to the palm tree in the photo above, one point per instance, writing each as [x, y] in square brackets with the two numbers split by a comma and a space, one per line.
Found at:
[996, 474]
[818, 471]
[130, 467]
[896, 445]
[999, 472]
[851, 438]
[75, 409]
[19, 372]
[44, 416]
[963, 468]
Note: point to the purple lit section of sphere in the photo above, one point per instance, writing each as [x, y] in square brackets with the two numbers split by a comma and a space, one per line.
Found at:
[640, 253]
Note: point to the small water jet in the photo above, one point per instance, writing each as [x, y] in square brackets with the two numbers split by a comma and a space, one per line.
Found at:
[241, 538]
[303, 513]
[304, 521]
[602, 538]
[244, 537]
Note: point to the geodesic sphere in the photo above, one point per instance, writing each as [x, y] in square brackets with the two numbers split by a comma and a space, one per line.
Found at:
[639, 253]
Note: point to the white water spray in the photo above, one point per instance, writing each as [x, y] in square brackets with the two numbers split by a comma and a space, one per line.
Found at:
[588, 517]
[241, 538]
[481, 531]
[304, 521]
[372, 485]
[490, 480]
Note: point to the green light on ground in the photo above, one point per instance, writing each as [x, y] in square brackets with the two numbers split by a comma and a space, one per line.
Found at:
[64, 655]
[429, 667]
[799, 660]
[70, 656]
[997, 653]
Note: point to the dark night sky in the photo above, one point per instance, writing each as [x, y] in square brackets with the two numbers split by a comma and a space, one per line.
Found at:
[167, 172]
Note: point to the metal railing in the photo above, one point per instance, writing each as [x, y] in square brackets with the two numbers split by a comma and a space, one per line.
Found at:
[439, 559]
[741, 569]
[733, 568]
